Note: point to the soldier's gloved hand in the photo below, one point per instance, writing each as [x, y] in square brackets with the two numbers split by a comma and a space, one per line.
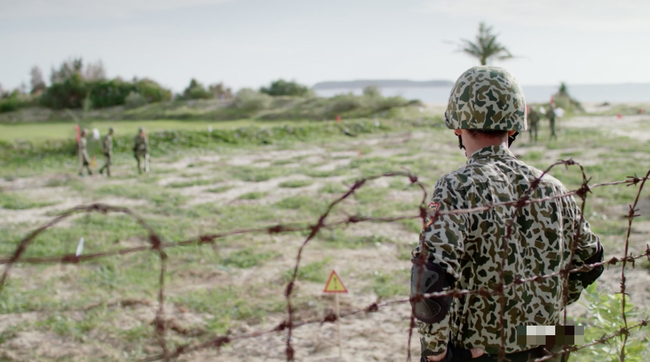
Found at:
[452, 354]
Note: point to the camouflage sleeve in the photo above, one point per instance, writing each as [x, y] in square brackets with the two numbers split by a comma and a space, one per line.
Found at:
[442, 242]
[587, 251]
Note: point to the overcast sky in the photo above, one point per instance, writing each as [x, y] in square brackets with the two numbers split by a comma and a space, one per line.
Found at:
[248, 43]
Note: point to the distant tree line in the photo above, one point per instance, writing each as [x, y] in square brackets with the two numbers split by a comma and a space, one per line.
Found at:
[79, 85]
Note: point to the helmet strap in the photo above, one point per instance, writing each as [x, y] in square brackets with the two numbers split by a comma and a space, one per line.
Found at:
[460, 142]
[511, 138]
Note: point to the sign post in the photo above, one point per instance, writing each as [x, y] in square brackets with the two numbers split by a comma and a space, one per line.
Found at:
[335, 285]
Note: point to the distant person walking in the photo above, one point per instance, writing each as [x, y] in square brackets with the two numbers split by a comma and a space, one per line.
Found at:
[550, 114]
[140, 150]
[82, 149]
[533, 119]
[107, 150]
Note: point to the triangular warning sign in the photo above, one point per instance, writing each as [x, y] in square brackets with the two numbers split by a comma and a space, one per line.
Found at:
[334, 284]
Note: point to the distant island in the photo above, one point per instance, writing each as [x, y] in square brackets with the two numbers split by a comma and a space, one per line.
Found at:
[382, 83]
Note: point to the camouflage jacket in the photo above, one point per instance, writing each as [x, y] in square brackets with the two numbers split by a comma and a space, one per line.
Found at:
[469, 247]
[140, 145]
[107, 144]
[83, 150]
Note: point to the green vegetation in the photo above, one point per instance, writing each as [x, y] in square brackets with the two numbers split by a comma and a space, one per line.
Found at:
[390, 284]
[13, 201]
[283, 88]
[485, 47]
[312, 272]
[247, 258]
[252, 195]
[603, 318]
[296, 183]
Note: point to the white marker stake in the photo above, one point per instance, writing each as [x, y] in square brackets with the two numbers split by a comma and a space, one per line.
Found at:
[80, 247]
[338, 322]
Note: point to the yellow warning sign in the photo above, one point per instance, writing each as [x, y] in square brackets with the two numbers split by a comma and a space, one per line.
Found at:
[334, 284]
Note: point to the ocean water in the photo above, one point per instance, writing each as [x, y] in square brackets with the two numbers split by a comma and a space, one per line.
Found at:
[534, 94]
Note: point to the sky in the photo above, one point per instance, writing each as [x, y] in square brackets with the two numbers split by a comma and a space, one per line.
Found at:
[249, 43]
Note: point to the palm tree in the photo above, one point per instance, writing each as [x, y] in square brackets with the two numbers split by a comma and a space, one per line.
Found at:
[486, 46]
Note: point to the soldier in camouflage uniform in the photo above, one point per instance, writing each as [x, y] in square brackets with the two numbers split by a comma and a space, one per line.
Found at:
[140, 148]
[550, 114]
[486, 109]
[82, 150]
[107, 149]
[533, 118]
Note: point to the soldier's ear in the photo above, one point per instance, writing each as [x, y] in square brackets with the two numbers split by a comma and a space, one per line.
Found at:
[510, 133]
[458, 132]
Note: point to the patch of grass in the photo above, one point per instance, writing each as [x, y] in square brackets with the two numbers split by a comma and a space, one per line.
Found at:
[312, 272]
[333, 188]
[196, 182]
[158, 195]
[342, 240]
[256, 174]
[254, 195]
[387, 285]
[227, 305]
[367, 194]
[247, 258]
[309, 205]
[283, 162]
[13, 201]
[296, 183]
[339, 171]
[220, 189]
[533, 156]
[571, 154]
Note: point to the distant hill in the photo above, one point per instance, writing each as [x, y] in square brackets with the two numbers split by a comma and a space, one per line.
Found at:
[382, 83]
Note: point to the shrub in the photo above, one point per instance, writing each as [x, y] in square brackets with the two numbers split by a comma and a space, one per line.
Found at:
[71, 92]
[250, 100]
[196, 90]
[371, 91]
[283, 88]
[345, 103]
[15, 100]
[152, 91]
[134, 100]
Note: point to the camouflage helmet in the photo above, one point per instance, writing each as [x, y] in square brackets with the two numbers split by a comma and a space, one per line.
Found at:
[487, 98]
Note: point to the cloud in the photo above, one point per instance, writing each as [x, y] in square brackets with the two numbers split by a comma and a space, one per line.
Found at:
[18, 9]
[589, 15]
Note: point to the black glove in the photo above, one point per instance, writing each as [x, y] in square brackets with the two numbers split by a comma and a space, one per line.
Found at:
[454, 354]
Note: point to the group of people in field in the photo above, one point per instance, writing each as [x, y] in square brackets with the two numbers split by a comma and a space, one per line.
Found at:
[534, 116]
[140, 152]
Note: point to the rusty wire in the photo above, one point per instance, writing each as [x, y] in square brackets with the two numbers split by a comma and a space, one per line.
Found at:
[289, 324]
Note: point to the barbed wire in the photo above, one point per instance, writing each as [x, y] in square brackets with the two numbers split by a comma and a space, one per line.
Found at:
[155, 244]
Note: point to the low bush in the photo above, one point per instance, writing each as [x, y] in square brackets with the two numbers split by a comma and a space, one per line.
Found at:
[250, 100]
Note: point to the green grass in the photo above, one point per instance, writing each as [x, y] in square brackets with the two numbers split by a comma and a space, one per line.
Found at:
[256, 174]
[157, 195]
[254, 195]
[14, 201]
[38, 132]
[247, 258]
[220, 189]
[312, 272]
[296, 183]
[386, 285]
[196, 182]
